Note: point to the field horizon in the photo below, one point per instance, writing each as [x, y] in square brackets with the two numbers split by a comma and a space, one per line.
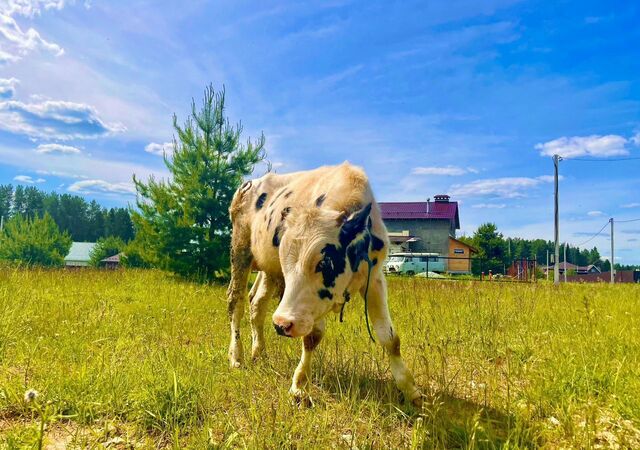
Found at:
[138, 359]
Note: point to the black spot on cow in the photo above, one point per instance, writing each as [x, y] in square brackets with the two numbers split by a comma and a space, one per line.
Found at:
[374, 262]
[288, 194]
[261, 199]
[332, 264]
[277, 235]
[354, 226]
[285, 212]
[377, 244]
[320, 200]
[325, 293]
[358, 252]
[346, 296]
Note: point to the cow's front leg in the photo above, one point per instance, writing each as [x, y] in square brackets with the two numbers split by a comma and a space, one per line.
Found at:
[388, 337]
[237, 294]
[302, 374]
[261, 292]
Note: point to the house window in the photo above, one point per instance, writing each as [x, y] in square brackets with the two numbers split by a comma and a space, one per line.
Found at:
[458, 251]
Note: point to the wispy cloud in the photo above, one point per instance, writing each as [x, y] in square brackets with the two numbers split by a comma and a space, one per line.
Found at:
[489, 205]
[27, 179]
[630, 205]
[507, 187]
[446, 170]
[54, 120]
[57, 148]
[17, 42]
[595, 214]
[102, 187]
[8, 87]
[576, 146]
[159, 149]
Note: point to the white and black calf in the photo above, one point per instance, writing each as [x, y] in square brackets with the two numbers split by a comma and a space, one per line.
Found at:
[317, 239]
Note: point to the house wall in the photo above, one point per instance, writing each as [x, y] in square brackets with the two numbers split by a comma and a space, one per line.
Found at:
[433, 234]
[459, 265]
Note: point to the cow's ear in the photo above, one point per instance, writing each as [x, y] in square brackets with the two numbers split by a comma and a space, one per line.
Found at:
[354, 224]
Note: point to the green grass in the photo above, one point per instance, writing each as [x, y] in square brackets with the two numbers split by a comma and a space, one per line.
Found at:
[138, 358]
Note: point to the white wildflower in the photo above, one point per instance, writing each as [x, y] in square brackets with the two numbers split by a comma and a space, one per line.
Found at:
[30, 395]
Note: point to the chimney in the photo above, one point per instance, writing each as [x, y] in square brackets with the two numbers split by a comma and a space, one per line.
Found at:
[442, 198]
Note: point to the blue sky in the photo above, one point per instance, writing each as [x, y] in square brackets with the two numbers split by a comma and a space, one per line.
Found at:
[462, 97]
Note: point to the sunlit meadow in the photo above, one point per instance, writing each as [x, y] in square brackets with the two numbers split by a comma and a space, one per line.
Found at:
[137, 359]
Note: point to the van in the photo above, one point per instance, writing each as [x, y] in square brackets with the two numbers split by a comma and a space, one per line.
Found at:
[413, 263]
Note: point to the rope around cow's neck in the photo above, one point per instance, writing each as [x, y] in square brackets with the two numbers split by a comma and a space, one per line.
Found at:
[366, 296]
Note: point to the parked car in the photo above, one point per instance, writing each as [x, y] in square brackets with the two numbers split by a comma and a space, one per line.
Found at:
[413, 263]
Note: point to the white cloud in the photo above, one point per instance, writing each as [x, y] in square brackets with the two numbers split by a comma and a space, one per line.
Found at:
[57, 148]
[595, 214]
[631, 205]
[443, 170]
[54, 120]
[159, 149]
[27, 179]
[508, 187]
[16, 42]
[8, 87]
[636, 138]
[30, 8]
[101, 187]
[489, 205]
[576, 146]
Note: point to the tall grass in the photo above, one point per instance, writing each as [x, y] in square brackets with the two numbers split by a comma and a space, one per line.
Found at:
[139, 358]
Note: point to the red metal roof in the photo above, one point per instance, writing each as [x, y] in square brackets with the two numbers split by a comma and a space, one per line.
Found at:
[420, 210]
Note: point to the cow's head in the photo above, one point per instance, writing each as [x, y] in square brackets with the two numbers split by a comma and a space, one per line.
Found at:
[319, 253]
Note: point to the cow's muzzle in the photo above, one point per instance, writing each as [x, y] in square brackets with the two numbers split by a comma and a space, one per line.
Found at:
[283, 329]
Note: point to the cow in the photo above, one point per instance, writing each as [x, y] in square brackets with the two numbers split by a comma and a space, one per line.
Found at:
[317, 239]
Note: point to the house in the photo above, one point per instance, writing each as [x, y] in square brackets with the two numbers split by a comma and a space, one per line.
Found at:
[460, 255]
[112, 262]
[79, 254]
[424, 227]
[573, 269]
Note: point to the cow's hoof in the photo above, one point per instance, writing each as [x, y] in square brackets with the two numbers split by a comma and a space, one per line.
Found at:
[234, 363]
[417, 399]
[301, 399]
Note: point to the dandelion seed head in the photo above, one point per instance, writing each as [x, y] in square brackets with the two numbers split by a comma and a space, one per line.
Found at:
[30, 395]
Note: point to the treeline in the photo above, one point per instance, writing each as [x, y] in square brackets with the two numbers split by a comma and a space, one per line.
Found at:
[498, 253]
[83, 221]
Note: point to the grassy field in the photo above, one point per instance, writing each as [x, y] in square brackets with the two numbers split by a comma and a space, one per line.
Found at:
[134, 359]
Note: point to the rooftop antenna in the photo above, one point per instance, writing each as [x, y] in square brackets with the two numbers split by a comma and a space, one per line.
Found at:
[428, 200]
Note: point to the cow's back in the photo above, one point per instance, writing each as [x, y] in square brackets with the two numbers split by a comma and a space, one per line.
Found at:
[268, 200]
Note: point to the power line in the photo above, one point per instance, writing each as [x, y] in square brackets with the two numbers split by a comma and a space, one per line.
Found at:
[601, 159]
[625, 221]
[594, 236]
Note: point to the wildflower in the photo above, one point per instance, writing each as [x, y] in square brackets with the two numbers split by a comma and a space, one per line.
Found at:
[30, 395]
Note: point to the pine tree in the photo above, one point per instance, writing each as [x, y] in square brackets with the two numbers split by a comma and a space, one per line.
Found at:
[184, 222]
[34, 242]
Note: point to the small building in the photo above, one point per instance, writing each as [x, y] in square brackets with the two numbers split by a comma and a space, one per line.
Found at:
[460, 254]
[112, 262]
[572, 269]
[79, 254]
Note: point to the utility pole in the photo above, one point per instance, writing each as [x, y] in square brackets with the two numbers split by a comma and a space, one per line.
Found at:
[547, 264]
[613, 274]
[556, 267]
[1, 223]
[565, 262]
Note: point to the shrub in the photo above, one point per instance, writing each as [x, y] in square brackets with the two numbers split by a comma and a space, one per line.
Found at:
[34, 242]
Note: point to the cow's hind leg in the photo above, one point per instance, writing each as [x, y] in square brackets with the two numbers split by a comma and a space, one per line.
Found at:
[303, 372]
[381, 320]
[237, 293]
[262, 290]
